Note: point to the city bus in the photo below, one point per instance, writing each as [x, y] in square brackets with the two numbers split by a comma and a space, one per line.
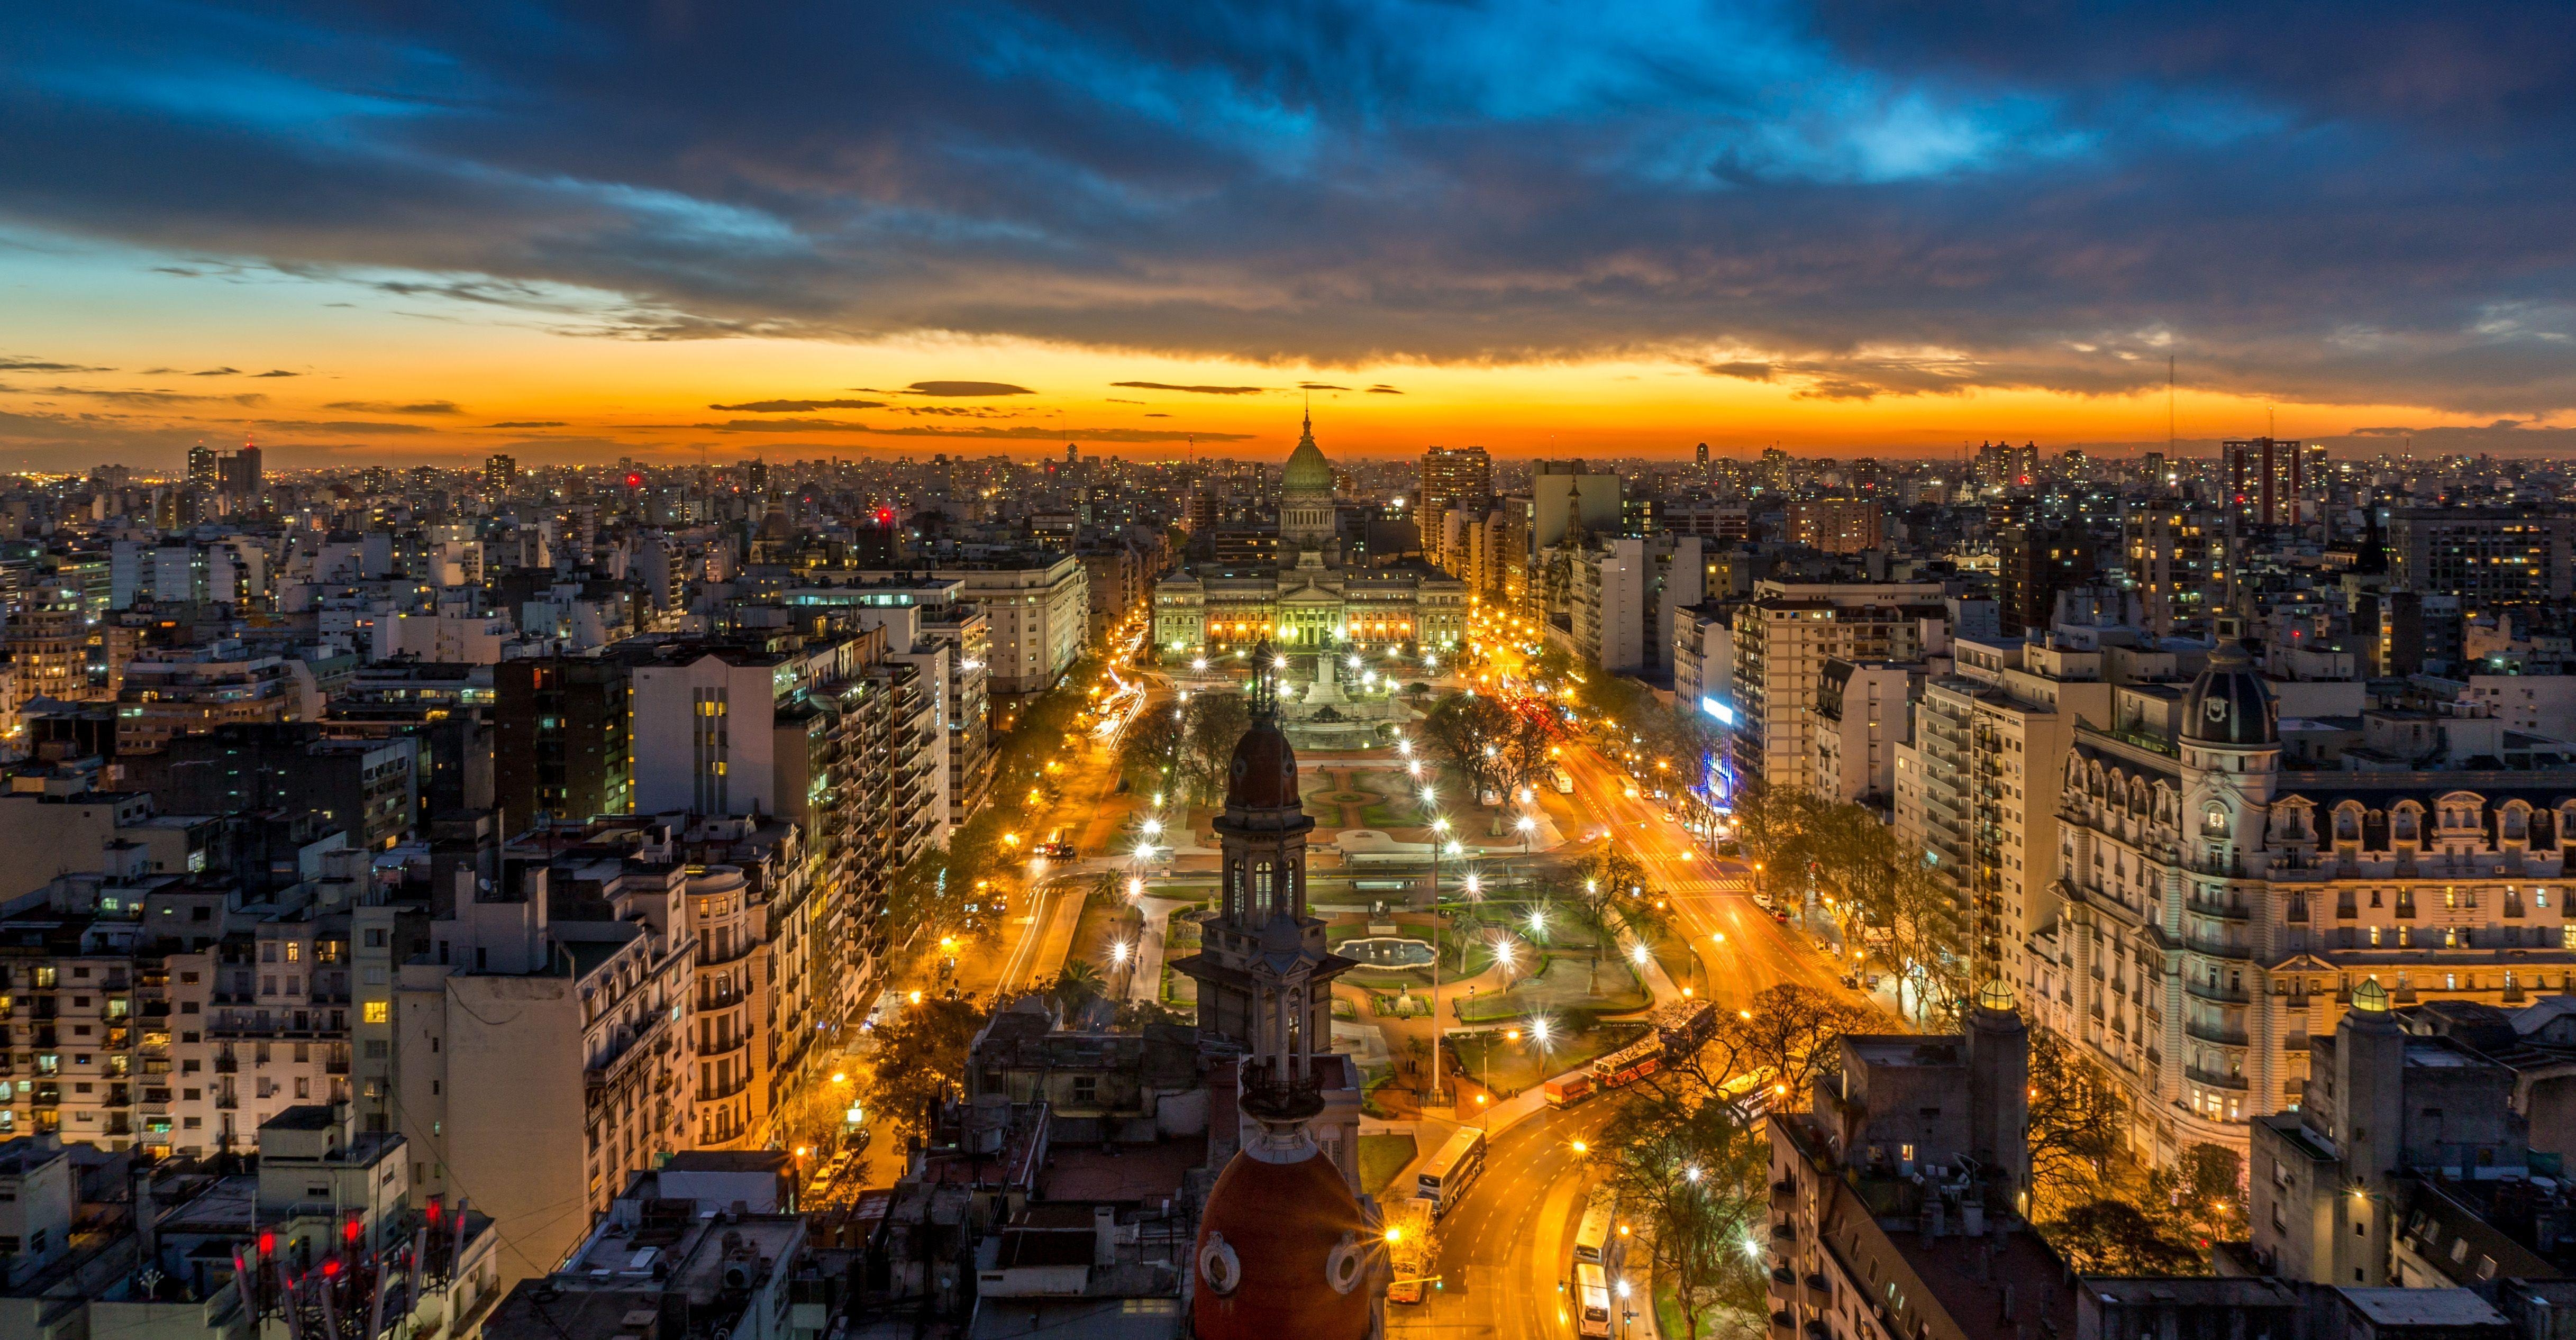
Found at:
[1454, 1169]
[1685, 1026]
[1592, 1295]
[1596, 1241]
[1630, 1064]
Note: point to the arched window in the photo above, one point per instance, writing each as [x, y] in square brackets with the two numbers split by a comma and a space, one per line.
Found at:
[1261, 892]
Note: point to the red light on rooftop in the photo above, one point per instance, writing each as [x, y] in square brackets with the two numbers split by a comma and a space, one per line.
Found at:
[268, 1244]
[350, 1230]
[331, 1268]
[634, 479]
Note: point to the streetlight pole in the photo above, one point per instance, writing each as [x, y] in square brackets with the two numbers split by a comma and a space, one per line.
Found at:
[1439, 833]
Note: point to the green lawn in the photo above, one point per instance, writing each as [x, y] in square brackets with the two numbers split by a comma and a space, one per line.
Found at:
[1518, 1065]
[1381, 1158]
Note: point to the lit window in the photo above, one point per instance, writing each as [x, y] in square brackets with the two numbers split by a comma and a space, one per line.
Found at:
[378, 1012]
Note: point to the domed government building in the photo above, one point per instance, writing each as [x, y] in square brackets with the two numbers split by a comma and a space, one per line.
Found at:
[1308, 600]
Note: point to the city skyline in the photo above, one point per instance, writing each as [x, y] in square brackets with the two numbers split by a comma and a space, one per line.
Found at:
[1843, 231]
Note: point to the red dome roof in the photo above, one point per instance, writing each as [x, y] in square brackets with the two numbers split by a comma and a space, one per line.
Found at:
[1283, 1252]
[1264, 773]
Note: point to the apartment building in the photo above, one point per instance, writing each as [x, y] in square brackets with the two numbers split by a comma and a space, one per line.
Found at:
[1454, 479]
[1976, 790]
[1863, 713]
[1784, 636]
[170, 691]
[2486, 556]
[2224, 901]
[1838, 525]
[543, 1062]
[2174, 557]
[561, 748]
[1036, 610]
[938, 614]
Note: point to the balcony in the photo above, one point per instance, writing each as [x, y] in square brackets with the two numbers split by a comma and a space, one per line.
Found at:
[2225, 995]
[2210, 1080]
[2218, 1033]
[227, 1065]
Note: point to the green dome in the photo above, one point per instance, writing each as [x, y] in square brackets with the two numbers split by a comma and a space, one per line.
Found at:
[1307, 470]
[2371, 996]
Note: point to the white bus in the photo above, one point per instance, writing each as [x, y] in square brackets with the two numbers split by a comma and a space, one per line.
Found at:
[1596, 1240]
[1592, 1295]
[1454, 1169]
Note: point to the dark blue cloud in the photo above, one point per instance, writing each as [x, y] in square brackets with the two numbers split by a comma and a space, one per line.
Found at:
[1875, 198]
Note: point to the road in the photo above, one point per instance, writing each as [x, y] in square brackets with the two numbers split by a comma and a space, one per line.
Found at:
[1508, 1244]
[1710, 897]
[1047, 903]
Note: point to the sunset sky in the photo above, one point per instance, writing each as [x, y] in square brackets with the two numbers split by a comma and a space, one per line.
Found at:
[425, 233]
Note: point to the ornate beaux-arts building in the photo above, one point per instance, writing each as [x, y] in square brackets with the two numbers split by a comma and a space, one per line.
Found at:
[2219, 904]
[1309, 601]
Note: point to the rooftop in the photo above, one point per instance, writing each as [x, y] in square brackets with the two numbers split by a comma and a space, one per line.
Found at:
[2422, 1307]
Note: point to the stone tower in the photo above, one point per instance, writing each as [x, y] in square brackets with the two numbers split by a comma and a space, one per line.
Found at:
[1999, 1094]
[1264, 975]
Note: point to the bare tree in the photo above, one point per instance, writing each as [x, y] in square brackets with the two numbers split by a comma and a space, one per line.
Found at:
[1216, 719]
[1690, 1177]
[2076, 1117]
[1469, 731]
[1770, 1051]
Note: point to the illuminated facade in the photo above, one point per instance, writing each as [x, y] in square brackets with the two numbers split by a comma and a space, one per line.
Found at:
[1309, 600]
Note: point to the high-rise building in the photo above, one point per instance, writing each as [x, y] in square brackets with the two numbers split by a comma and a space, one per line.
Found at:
[561, 750]
[239, 473]
[2173, 557]
[2486, 556]
[2266, 478]
[2038, 561]
[1455, 478]
[1784, 636]
[1838, 525]
[500, 472]
[1976, 788]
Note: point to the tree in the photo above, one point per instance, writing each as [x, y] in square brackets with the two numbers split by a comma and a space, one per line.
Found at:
[2207, 1193]
[2113, 1237]
[1772, 823]
[1781, 1039]
[1150, 749]
[920, 1059]
[1690, 1176]
[1216, 721]
[1077, 984]
[1469, 730]
[1607, 897]
[2076, 1116]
